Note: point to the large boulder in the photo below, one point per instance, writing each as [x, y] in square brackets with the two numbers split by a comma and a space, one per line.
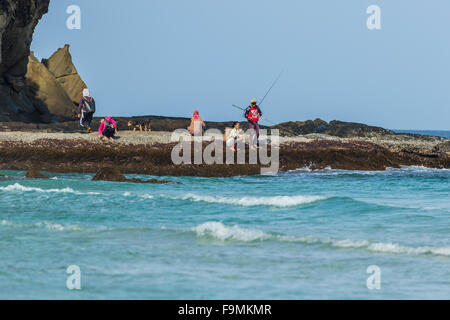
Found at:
[114, 174]
[18, 19]
[46, 91]
[61, 66]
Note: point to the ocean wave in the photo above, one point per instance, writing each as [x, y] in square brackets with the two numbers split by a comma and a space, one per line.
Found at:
[388, 171]
[390, 204]
[58, 227]
[7, 223]
[275, 201]
[20, 188]
[221, 232]
[44, 224]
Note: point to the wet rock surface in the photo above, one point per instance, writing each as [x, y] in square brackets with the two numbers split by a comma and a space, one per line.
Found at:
[114, 174]
[35, 174]
[80, 155]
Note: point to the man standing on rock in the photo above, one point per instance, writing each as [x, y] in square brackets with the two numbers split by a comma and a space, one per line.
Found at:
[86, 110]
[253, 114]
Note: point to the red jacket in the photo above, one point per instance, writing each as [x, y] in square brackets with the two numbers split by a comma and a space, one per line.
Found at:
[254, 114]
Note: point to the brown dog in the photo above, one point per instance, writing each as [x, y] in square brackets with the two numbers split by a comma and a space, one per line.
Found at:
[141, 125]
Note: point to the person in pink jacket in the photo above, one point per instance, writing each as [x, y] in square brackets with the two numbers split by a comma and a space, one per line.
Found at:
[107, 129]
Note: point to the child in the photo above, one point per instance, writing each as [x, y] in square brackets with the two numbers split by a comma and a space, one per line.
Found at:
[234, 136]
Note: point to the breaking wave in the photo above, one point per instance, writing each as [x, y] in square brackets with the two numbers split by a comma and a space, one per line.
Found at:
[275, 201]
[58, 227]
[21, 188]
[221, 232]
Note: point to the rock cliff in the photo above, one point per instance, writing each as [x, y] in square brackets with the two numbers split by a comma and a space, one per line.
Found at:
[60, 64]
[18, 19]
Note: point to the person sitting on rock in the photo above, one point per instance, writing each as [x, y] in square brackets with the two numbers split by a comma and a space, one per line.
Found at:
[107, 129]
[86, 110]
[234, 136]
[197, 124]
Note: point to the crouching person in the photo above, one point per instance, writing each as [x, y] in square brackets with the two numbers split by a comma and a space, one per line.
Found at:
[107, 129]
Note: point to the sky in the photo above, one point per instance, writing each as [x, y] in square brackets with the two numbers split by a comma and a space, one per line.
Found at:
[170, 57]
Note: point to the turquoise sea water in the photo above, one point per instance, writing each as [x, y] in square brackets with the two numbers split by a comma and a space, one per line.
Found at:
[437, 133]
[298, 235]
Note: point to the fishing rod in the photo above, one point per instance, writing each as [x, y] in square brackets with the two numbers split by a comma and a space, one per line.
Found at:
[265, 96]
[271, 87]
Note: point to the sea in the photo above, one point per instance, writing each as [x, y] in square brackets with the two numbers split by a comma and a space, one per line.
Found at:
[436, 133]
[326, 234]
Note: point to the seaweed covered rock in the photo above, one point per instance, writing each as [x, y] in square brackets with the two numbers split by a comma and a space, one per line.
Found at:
[109, 174]
[443, 147]
[35, 174]
[113, 174]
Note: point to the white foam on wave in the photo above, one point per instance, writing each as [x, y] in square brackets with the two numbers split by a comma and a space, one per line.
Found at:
[221, 232]
[20, 188]
[57, 226]
[6, 223]
[275, 201]
[43, 224]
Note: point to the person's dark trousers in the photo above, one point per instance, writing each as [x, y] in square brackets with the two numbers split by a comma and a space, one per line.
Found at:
[109, 133]
[255, 135]
[86, 120]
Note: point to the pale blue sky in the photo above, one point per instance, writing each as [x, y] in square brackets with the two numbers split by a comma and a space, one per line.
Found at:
[169, 57]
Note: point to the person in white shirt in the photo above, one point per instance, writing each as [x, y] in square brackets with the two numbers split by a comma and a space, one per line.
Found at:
[234, 136]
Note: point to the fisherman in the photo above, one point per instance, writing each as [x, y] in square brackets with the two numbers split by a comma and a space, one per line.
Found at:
[197, 124]
[107, 129]
[253, 114]
[86, 110]
[234, 136]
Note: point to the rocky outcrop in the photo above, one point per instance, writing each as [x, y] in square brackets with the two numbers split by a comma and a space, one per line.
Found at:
[35, 174]
[333, 128]
[443, 147]
[113, 174]
[60, 64]
[46, 93]
[111, 160]
[18, 19]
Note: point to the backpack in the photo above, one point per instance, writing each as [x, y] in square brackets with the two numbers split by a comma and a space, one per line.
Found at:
[246, 112]
[89, 106]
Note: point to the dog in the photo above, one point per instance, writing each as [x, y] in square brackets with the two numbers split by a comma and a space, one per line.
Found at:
[141, 125]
